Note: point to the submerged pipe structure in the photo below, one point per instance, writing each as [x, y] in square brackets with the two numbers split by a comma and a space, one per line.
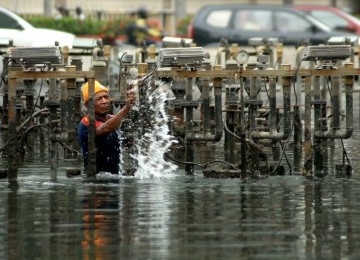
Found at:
[206, 135]
[317, 130]
[273, 134]
[335, 132]
[12, 138]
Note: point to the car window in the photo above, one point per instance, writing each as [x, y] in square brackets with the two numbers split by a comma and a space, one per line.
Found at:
[253, 20]
[329, 18]
[289, 22]
[8, 22]
[219, 18]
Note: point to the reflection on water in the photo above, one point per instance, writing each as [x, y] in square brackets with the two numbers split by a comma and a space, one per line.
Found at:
[182, 217]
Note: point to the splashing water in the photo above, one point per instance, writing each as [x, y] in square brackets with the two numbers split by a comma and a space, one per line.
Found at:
[156, 141]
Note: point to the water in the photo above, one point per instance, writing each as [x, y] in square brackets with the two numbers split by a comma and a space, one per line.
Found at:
[156, 141]
[282, 217]
[180, 217]
[163, 214]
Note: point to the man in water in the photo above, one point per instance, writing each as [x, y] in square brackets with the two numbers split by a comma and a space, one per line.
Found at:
[106, 137]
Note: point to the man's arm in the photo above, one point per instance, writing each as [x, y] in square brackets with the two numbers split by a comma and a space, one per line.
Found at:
[113, 123]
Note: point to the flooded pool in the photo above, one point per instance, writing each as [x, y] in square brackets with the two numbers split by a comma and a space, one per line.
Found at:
[181, 217]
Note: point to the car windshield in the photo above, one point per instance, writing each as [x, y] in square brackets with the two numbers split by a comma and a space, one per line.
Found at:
[8, 22]
[320, 24]
[290, 22]
[331, 19]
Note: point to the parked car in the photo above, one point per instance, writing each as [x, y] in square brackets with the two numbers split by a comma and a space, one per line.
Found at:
[238, 23]
[22, 33]
[334, 17]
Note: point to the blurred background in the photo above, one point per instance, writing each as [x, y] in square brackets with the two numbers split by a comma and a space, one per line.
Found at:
[109, 17]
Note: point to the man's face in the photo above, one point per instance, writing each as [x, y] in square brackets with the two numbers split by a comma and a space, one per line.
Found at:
[102, 103]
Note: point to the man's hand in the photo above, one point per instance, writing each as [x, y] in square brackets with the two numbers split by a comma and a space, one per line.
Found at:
[130, 98]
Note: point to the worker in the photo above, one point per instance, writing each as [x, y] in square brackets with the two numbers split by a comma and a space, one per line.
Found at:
[139, 32]
[106, 137]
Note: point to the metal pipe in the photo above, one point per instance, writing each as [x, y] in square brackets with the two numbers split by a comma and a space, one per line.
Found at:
[13, 141]
[242, 125]
[308, 152]
[218, 111]
[231, 107]
[206, 104]
[279, 54]
[91, 167]
[63, 105]
[318, 159]
[29, 93]
[219, 53]
[272, 104]
[207, 136]
[140, 54]
[177, 87]
[71, 118]
[336, 133]
[297, 126]
[273, 134]
[53, 152]
[253, 104]
[189, 148]
[317, 103]
[335, 108]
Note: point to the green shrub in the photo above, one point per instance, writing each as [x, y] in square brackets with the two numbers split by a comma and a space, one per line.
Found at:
[114, 27]
[109, 28]
[106, 28]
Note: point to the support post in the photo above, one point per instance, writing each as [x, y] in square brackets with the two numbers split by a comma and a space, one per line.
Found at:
[13, 141]
[308, 150]
[189, 153]
[91, 167]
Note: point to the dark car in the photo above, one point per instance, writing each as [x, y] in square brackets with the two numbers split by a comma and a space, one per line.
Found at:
[238, 23]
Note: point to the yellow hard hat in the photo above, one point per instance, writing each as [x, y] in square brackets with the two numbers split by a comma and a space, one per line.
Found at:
[97, 86]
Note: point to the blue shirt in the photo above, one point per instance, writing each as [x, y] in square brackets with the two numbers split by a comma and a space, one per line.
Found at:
[107, 147]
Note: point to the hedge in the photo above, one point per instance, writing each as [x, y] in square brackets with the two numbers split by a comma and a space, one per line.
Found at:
[106, 28]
